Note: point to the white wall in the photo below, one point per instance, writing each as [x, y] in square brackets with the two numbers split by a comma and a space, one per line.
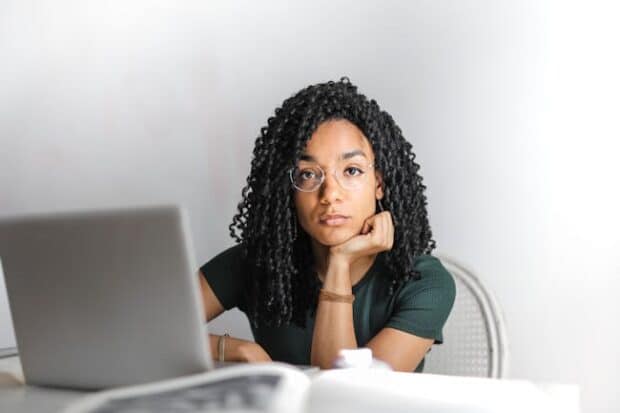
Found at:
[511, 107]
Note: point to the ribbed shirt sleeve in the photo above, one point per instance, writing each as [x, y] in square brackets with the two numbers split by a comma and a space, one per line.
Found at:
[423, 306]
[225, 275]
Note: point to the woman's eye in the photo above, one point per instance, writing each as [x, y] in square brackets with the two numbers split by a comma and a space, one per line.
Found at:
[353, 171]
[306, 175]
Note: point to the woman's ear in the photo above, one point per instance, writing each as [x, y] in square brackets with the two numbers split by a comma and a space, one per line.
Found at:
[379, 185]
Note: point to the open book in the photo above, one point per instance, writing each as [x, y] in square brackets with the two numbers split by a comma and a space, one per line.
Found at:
[269, 387]
[276, 387]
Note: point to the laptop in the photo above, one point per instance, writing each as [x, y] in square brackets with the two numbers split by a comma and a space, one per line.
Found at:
[104, 298]
[110, 298]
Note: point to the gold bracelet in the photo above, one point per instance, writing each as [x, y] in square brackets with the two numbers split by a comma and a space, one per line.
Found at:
[325, 295]
[221, 347]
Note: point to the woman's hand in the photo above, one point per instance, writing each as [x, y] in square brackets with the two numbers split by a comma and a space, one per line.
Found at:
[250, 352]
[377, 235]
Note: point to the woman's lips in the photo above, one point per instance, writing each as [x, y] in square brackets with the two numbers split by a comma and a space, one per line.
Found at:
[334, 220]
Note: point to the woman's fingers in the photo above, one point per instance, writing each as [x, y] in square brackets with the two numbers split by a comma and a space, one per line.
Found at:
[387, 229]
[390, 231]
[376, 235]
[366, 228]
[381, 230]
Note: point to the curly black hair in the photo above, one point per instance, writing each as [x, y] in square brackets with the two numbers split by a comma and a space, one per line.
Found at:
[282, 284]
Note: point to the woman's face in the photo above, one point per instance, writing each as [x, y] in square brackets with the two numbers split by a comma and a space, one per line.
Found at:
[338, 146]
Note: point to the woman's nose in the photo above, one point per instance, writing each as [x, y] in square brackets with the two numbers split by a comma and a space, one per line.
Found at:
[330, 189]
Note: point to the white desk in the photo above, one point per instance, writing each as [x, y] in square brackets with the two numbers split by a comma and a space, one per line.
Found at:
[346, 390]
[17, 397]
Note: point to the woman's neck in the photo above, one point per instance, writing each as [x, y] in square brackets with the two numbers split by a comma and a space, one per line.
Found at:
[359, 267]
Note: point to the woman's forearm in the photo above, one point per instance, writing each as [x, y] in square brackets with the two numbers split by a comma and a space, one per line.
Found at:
[333, 327]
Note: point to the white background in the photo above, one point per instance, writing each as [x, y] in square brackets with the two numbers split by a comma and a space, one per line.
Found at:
[511, 107]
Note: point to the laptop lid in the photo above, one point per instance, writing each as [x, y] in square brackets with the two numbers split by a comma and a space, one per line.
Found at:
[104, 298]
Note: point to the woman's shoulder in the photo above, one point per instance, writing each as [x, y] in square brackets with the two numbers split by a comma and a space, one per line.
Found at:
[229, 258]
[225, 275]
[432, 275]
[429, 266]
[234, 251]
[423, 304]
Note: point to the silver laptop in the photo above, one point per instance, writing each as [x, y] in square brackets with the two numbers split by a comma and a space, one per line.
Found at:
[104, 298]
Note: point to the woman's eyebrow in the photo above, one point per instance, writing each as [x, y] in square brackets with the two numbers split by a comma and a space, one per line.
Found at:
[345, 155]
[351, 154]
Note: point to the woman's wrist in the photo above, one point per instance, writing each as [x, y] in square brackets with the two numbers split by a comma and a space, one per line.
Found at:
[234, 349]
[338, 275]
[231, 347]
[335, 258]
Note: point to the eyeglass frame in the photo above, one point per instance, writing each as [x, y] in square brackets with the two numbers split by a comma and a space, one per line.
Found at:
[371, 165]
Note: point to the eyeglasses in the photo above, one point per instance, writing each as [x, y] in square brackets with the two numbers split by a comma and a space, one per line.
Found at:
[350, 175]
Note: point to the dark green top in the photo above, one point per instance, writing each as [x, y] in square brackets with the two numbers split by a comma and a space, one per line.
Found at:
[417, 307]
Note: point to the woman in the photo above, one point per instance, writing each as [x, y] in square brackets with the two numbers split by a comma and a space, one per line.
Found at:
[333, 240]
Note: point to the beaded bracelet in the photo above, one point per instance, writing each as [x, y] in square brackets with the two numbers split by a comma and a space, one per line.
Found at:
[221, 343]
[325, 295]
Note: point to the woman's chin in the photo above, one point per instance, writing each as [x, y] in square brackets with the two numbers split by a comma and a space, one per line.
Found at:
[334, 237]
